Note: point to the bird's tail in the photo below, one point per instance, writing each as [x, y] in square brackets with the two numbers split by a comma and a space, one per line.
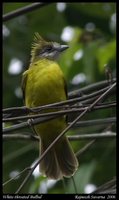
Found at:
[60, 160]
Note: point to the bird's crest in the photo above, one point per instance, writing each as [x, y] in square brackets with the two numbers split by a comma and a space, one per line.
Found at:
[37, 39]
[38, 43]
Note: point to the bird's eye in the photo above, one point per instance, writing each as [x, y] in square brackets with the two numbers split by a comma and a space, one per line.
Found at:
[49, 48]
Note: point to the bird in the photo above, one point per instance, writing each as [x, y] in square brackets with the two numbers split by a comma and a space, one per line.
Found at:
[44, 83]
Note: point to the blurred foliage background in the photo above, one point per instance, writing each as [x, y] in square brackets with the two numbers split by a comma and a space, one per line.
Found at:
[90, 31]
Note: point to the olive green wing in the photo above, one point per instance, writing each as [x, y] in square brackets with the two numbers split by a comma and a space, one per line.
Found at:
[65, 88]
[23, 84]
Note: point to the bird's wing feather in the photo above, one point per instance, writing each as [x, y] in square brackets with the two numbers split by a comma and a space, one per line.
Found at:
[65, 88]
[23, 83]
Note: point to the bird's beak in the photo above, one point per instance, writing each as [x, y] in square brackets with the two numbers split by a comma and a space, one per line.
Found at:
[63, 47]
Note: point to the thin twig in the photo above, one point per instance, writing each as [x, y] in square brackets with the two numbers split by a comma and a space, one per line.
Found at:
[19, 174]
[74, 184]
[28, 137]
[95, 122]
[61, 112]
[87, 146]
[107, 188]
[64, 185]
[70, 101]
[26, 124]
[90, 88]
[18, 152]
[23, 10]
[47, 118]
[22, 136]
[107, 134]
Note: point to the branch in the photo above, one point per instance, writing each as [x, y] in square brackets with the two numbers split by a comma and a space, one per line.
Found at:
[24, 110]
[89, 88]
[88, 109]
[28, 137]
[22, 11]
[20, 136]
[107, 188]
[26, 124]
[19, 174]
[47, 118]
[76, 108]
[95, 122]
[85, 148]
[57, 113]
[107, 134]
[103, 95]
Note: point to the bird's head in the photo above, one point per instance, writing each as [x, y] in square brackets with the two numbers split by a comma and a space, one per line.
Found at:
[43, 49]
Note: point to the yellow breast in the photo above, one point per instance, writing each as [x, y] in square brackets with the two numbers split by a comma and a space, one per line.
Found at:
[45, 84]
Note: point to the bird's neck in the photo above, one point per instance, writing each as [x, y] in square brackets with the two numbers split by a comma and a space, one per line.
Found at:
[42, 61]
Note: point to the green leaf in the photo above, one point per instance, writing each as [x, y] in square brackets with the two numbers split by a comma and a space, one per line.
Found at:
[82, 178]
[105, 53]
